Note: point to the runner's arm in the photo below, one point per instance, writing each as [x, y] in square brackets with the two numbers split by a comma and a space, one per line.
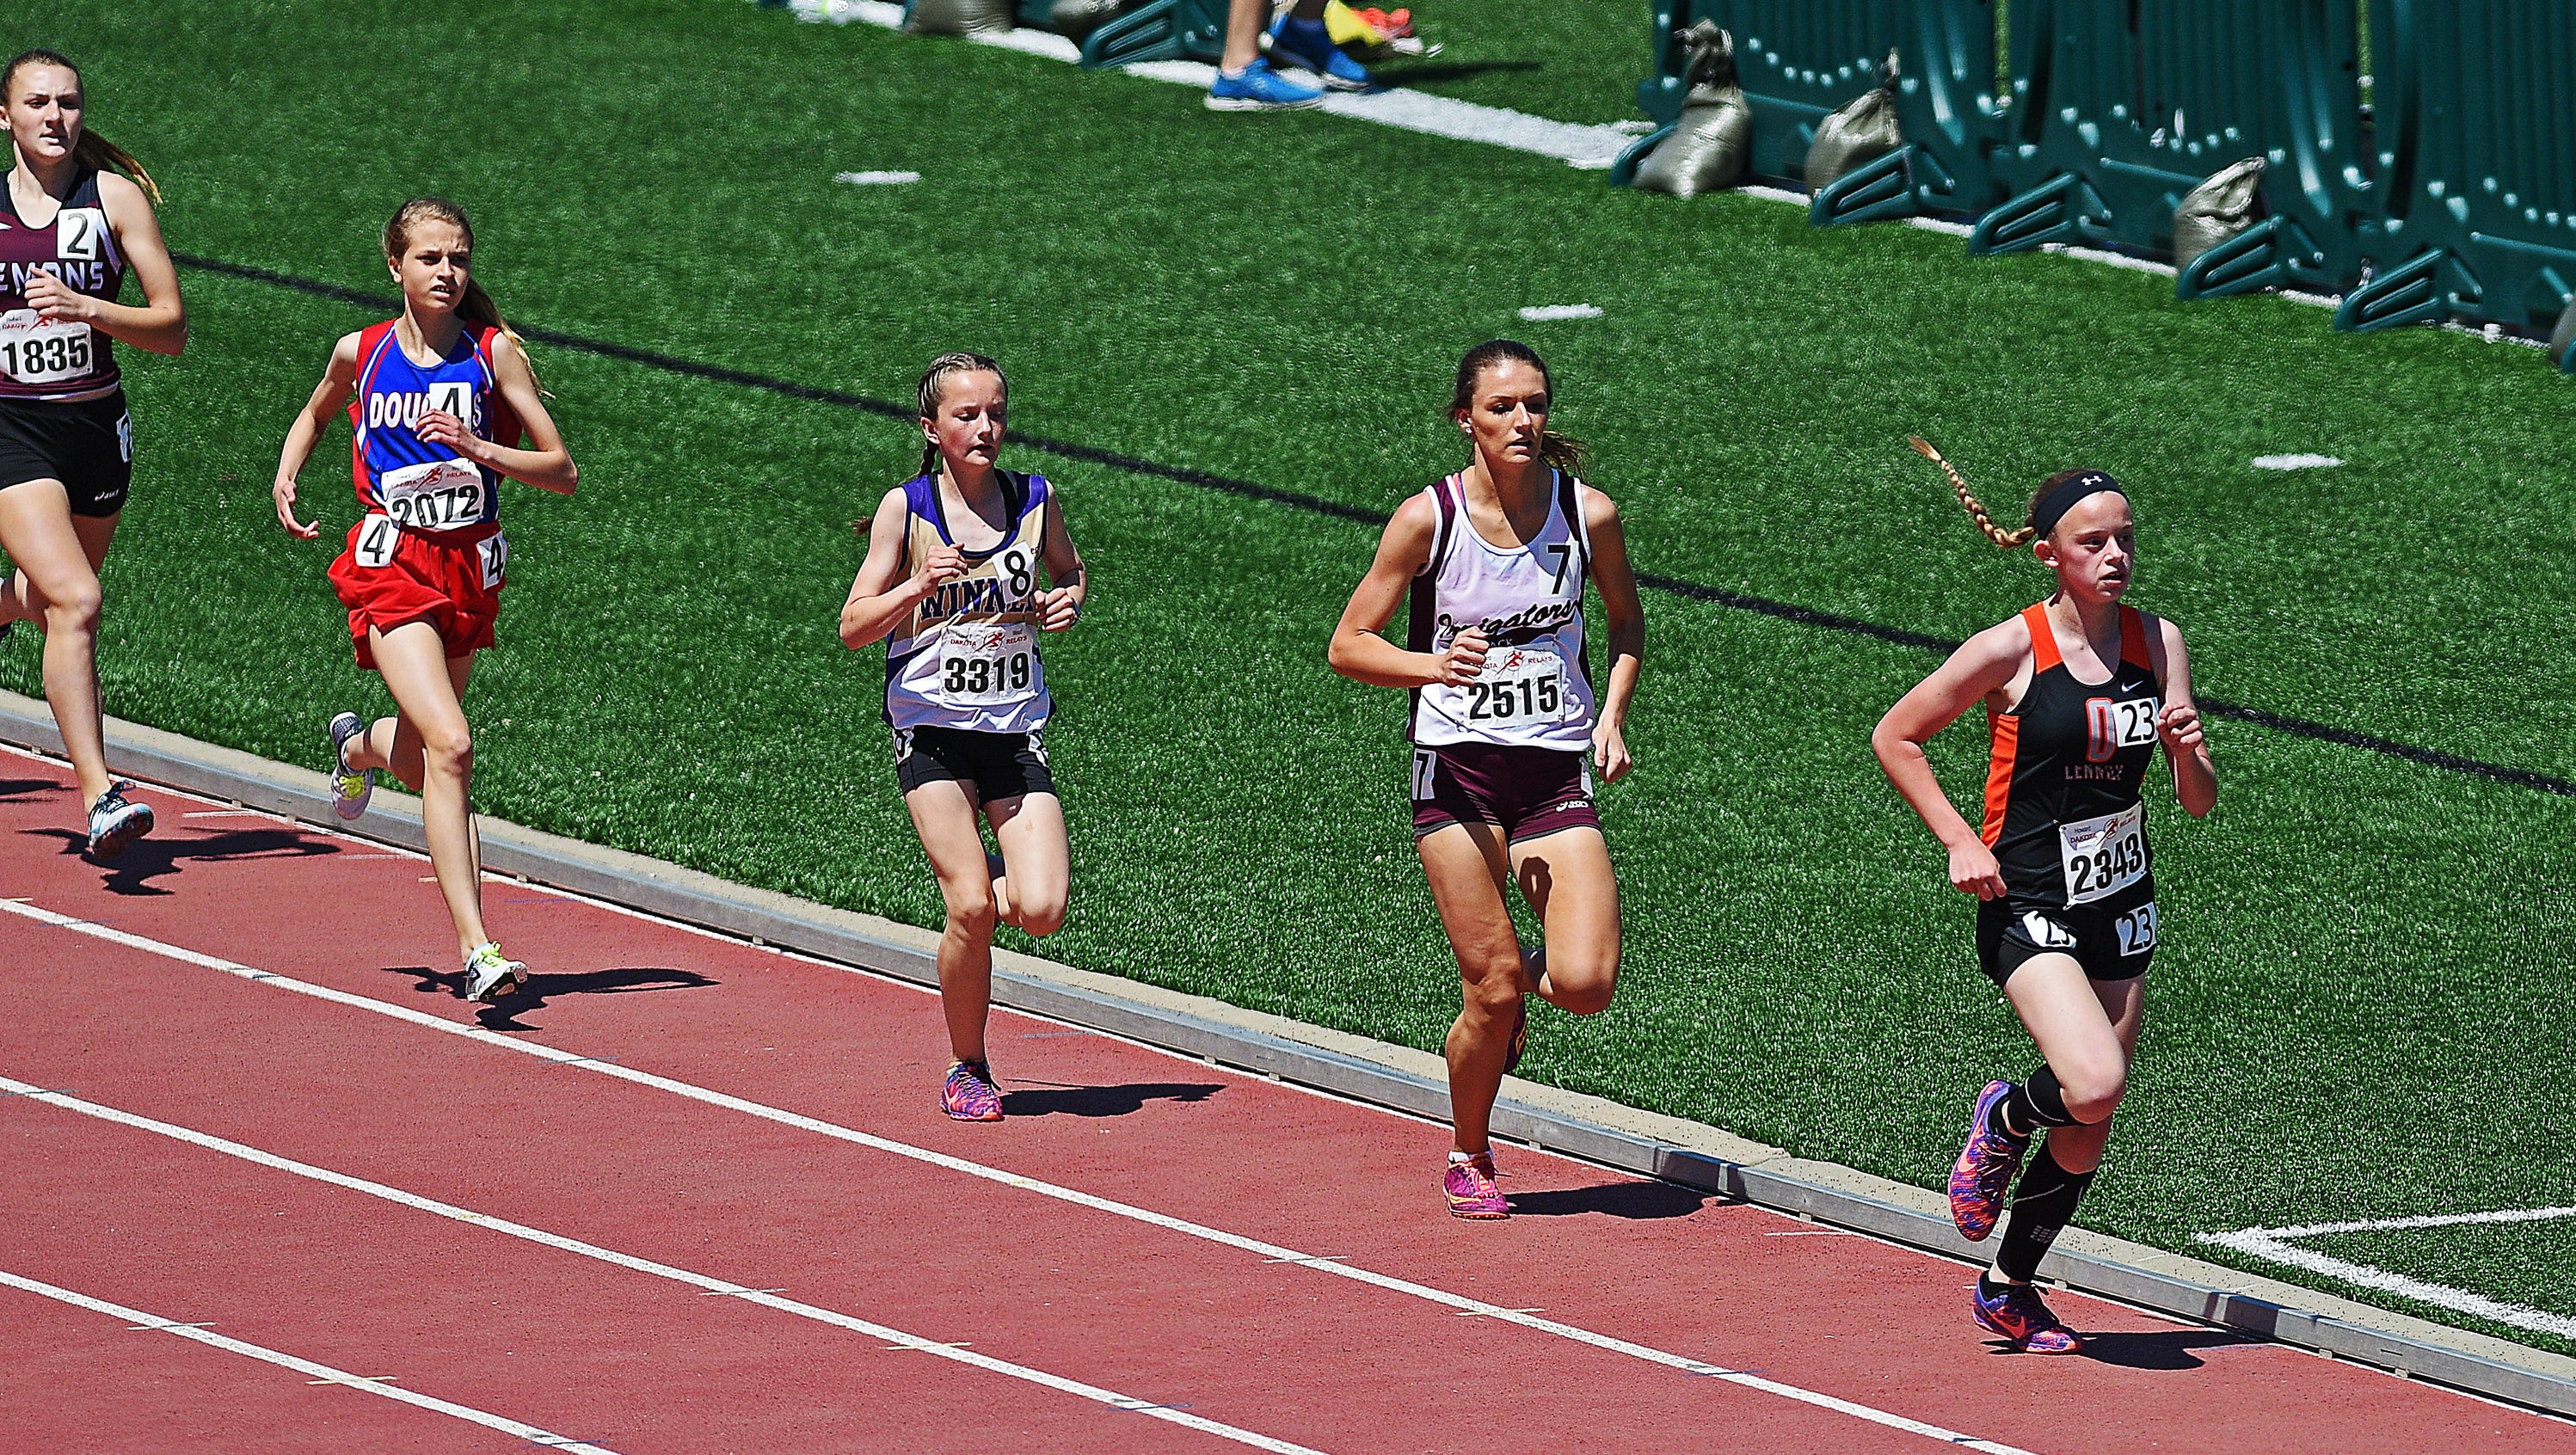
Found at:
[2186, 746]
[879, 599]
[339, 381]
[160, 325]
[1984, 665]
[549, 466]
[1623, 620]
[1360, 650]
[1069, 581]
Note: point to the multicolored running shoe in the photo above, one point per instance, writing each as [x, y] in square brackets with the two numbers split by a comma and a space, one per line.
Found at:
[116, 821]
[969, 1095]
[1472, 1190]
[1984, 1172]
[2020, 1316]
[489, 974]
[350, 788]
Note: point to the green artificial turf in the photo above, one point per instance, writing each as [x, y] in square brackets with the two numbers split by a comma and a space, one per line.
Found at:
[2360, 1009]
[2532, 1264]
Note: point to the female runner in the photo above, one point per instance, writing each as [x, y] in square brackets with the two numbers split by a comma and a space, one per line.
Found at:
[439, 398]
[1503, 716]
[70, 230]
[951, 582]
[2078, 690]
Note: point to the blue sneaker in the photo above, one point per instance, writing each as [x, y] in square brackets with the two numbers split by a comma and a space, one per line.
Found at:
[1307, 45]
[1258, 88]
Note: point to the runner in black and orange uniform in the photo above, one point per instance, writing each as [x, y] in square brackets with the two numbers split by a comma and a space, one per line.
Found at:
[75, 218]
[2078, 690]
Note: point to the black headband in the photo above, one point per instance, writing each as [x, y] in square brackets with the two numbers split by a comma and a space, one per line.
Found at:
[2053, 506]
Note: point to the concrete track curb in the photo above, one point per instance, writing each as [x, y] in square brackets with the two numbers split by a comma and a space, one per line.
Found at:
[1415, 1082]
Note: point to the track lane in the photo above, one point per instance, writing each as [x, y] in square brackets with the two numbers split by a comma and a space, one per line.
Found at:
[851, 1048]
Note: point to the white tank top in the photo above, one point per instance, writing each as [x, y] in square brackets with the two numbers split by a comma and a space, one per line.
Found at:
[1536, 687]
[967, 657]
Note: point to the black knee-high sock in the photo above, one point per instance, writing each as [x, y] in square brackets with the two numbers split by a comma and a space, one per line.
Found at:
[2035, 1103]
[2042, 1206]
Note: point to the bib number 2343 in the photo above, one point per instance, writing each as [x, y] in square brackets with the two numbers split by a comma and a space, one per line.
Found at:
[2104, 855]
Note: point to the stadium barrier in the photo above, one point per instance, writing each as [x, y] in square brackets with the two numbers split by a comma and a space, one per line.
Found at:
[1952, 117]
[2477, 153]
[1797, 61]
[1163, 30]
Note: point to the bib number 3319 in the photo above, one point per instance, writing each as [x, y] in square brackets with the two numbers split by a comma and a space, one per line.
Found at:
[988, 665]
[2104, 855]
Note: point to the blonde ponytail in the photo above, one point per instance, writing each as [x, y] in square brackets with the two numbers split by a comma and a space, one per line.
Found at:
[92, 150]
[2007, 539]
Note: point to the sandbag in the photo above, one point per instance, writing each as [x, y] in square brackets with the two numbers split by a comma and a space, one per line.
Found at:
[2218, 209]
[2563, 337]
[1862, 131]
[958, 17]
[1079, 18]
[1712, 143]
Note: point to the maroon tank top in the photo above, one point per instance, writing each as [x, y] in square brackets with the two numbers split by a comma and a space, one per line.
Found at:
[57, 361]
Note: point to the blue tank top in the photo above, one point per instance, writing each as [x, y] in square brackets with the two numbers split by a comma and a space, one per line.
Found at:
[426, 486]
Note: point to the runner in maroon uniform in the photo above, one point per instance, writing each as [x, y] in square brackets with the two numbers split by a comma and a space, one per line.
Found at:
[2078, 691]
[438, 398]
[70, 229]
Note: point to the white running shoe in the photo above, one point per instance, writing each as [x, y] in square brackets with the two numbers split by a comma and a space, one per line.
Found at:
[115, 823]
[350, 788]
[490, 975]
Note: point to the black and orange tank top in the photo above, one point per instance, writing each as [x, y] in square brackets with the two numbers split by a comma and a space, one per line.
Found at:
[2063, 813]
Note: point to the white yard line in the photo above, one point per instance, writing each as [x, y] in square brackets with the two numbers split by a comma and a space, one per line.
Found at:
[318, 1373]
[2274, 1244]
[766, 1298]
[1264, 1250]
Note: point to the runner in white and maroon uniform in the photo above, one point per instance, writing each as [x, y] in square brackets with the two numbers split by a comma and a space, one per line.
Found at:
[439, 400]
[1506, 728]
[2079, 690]
[75, 219]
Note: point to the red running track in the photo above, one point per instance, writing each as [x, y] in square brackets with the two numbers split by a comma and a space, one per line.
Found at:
[354, 1183]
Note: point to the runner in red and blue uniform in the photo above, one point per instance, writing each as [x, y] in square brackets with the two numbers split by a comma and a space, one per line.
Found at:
[2079, 689]
[76, 218]
[439, 399]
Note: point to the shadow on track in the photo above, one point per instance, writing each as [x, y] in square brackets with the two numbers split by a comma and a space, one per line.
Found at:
[1102, 1101]
[543, 987]
[1639, 1201]
[25, 787]
[133, 871]
[2166, 1349]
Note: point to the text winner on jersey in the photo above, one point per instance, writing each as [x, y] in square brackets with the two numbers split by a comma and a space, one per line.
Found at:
[967, 657]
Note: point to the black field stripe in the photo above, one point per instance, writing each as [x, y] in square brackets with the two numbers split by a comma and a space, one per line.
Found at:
[1690, 590]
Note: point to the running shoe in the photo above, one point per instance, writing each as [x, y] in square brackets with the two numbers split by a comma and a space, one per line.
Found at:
[1984, 1171]
[490, 975]
[115, 822]
[1258, 88]
[1307, 45]
[2020, 1316]
[350, 788]
[970, 1095]
[1473, 1193]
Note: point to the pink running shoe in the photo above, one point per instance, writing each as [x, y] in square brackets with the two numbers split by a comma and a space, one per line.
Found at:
[1984, 1171]
[970, 1095]
[1472, 1190]
[2020, 1317]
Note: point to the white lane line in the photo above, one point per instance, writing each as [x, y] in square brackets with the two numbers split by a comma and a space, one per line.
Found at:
[942, 1160]
[319, 1373]
[876, 179]
[1551, 312]
[629, 1261]
[2274, 1244]
[2295, 462]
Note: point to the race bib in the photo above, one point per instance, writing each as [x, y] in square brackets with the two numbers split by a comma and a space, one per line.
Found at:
[2104, 855]
[435, 495]
[377, 537]
[494, 552]
[33, 351]
[1519, 686]
[2137, 929]
[80, 234]
[987, 664]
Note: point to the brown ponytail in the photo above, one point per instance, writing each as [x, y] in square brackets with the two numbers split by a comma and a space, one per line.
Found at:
[2007, 539]
[92, 150]
[476, 306]
[1563, 451]
[933, 381]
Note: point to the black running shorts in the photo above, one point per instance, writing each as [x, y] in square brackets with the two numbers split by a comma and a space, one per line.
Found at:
[993, 766]
[88, 445]
[2109, 944]
[1526, 792]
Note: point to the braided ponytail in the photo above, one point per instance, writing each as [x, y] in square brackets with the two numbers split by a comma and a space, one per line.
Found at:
[92, 150]
[933, 381]
[2007, 539]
